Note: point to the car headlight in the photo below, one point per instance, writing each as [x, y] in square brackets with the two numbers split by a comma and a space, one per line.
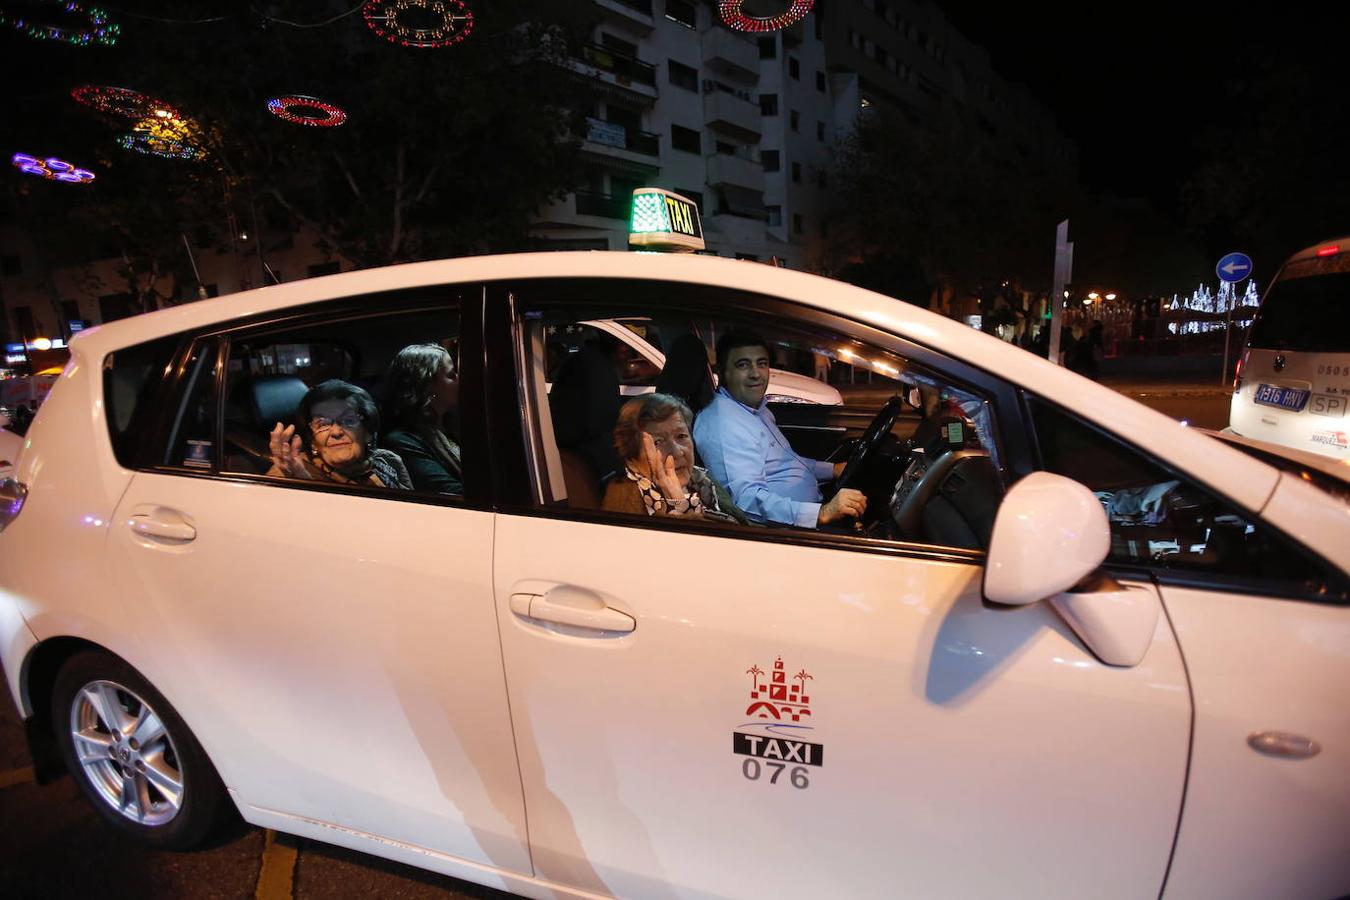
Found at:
[785, 398]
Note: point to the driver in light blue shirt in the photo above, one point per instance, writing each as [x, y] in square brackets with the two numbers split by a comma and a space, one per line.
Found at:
[743, 449]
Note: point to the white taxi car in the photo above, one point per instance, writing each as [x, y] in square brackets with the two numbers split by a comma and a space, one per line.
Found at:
[1071, 649]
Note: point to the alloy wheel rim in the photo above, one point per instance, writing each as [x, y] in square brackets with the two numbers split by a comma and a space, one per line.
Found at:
[126, 753]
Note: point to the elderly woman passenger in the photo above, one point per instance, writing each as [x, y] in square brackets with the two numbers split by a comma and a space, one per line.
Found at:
[335, 440]
[659, 478]
[423, 389]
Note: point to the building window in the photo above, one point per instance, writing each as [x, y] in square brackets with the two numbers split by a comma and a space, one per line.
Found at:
[682, 76]
[695, 196]
[796, 173]
[794, 68]
[820, 131]
[686, 139]
[820, 82]
[797, 225]
[682, 11]
[880, 55]
[770, 160]
[768, 104]
[768, 48]
[610, 42]
[775, 216]
[795, 120]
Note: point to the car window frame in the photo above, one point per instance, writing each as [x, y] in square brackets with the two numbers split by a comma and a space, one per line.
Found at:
[478, 468]
[1334, 583]
[512, 413]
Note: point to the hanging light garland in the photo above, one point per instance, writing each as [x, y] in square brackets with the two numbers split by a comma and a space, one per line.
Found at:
[735, 18]
[447, 22]
[51, 168]
[118, 101]
[88, 25]
[301, 110]
[172, 137]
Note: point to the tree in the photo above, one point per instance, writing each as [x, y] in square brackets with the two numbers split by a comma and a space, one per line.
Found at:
[445, 152]
[932, 204]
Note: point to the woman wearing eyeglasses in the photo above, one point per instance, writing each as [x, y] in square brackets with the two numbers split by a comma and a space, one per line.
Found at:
[335, 441]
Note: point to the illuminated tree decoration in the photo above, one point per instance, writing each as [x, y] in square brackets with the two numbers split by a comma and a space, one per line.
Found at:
[172, 137]
[734, 18]
[82, 25]
[419, 23]
[51, 168]
[301, 110]
[118, 101]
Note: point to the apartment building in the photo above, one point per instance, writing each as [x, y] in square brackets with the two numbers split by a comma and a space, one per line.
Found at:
[745, 124]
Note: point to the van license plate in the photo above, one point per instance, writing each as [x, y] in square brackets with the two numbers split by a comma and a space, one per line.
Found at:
[1282, 397]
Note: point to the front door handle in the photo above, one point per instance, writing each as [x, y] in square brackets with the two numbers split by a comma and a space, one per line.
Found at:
[574, 607]
[161, 525]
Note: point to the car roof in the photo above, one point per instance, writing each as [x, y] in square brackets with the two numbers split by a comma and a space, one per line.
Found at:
[1342, 243]
[1338, 469]
[1248, 481]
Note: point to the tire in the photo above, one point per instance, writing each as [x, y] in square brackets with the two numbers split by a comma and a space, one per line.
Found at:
[151, 781]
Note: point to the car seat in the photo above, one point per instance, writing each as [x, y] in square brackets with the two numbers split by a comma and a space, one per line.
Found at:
[255, 408]
[687, 374]
[584, 406]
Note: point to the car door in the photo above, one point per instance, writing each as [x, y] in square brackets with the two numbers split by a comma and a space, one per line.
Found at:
[725, 711]
[1265, 628]
[333, 647]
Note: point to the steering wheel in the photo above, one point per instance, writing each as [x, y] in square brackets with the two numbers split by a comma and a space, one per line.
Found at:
[871, 441]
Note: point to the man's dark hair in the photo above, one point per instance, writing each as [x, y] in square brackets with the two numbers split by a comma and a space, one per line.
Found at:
[734, 340]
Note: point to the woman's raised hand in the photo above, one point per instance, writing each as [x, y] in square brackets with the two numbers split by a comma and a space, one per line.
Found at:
[662, 471]
[287, 456]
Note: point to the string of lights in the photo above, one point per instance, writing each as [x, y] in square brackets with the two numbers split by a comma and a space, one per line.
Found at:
[301, 110]
[118, 101]
[172, 137]
[51, 168]
[74, 23]
[734, 17]
[451, 22]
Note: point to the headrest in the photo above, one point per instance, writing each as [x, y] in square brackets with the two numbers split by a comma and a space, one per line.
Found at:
[686, 374]
[585, 398]
[274, 398]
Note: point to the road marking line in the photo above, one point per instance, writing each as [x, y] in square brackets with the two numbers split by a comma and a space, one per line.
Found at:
[277, 876]
[16, 776]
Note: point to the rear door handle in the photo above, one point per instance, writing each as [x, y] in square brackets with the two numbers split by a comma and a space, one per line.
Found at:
[161, 525]
[574, 607]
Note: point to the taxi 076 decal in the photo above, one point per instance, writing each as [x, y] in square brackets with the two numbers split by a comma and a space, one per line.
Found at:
[776, 741]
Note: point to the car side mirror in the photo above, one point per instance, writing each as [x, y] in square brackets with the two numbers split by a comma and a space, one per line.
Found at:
[1050, 533]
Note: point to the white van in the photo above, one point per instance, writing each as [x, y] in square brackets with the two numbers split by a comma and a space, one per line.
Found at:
[1293, 381]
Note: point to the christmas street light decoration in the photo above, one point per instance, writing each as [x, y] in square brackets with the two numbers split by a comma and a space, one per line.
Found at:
[172, 137]
[442, 22]
[301, 110]
[732, 15]
[118, 101]
[75, 24]
[51, 168]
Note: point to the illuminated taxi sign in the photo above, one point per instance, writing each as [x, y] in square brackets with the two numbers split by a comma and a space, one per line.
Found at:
[664, 221]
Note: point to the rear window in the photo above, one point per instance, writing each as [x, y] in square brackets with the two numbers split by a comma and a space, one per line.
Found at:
[1308, 308]
[132, 382]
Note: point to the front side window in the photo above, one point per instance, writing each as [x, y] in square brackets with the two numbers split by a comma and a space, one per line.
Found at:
[749, 421]
[367, 402]
[1162, 519]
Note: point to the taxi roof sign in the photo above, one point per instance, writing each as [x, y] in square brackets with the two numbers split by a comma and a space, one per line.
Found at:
[663, 220]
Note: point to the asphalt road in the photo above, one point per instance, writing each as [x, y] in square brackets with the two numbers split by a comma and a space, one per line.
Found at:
[53, 846]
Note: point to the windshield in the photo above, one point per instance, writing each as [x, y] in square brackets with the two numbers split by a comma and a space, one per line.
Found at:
[1308, 308]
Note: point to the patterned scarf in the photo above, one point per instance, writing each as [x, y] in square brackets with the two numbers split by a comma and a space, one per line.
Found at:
[366, 470]
[658, 504]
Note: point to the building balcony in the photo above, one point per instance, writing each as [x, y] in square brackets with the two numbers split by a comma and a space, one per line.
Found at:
[636, 14]
[627, 78]
[738, 171]
[604, 206]
[731, 55]
[734, 115]
[604, 135]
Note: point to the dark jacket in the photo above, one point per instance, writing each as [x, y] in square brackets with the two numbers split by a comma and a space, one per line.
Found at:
[426, 469]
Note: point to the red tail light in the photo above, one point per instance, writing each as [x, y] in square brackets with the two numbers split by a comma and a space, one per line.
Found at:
[1329, 251]
[1237, 376]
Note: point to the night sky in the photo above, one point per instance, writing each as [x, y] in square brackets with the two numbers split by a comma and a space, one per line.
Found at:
[1138, 84]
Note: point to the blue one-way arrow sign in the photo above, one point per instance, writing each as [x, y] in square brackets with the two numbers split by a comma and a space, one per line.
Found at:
[1234, 267]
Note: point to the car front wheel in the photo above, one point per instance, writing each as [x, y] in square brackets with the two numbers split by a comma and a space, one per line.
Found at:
[132, 755]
